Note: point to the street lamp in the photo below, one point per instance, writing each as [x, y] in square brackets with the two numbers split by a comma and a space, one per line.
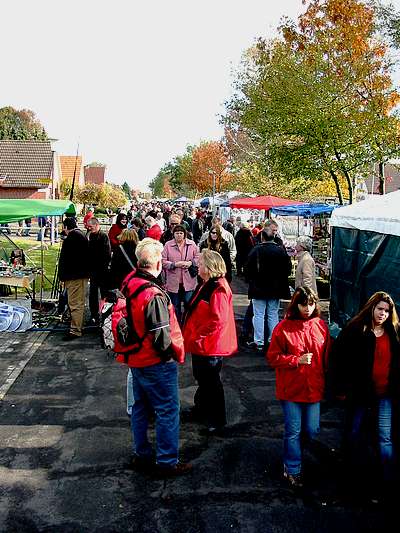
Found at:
[212, 173]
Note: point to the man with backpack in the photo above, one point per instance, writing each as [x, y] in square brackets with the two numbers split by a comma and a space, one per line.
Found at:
[150, 342]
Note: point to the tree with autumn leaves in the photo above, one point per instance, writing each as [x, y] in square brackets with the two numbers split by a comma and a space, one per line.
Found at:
[195, 172]
[317, 104]
[209, 168]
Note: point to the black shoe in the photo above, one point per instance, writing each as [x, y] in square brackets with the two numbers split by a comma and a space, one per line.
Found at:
[165, 472]
[191, 415]
[143, 465]
[212, 431]
[260, 348]
[70, 337]
[251, 344]
[94, 323]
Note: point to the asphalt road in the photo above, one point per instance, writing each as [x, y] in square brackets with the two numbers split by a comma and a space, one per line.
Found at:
[65, 439]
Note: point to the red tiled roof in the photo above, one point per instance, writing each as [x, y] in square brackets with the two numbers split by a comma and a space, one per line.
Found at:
[26, 164]
[67, 165]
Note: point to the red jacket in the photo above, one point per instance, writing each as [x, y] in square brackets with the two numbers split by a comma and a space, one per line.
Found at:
[147, 355]
[290, 340]
[154, 232]
[209, 327]
[113, 233]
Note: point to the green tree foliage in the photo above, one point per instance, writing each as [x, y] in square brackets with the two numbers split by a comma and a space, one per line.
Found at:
[20, 125]
[103, 196]
[172, 178]
[127, 190]
[95, 164]
[388, 22]
[316, 104]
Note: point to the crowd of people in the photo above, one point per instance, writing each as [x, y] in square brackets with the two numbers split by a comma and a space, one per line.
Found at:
[176, 275]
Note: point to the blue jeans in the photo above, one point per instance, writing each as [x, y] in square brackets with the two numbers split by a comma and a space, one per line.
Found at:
[265, 314]
[384, 420]
[177, 298]
[155, 388]
[301, 420]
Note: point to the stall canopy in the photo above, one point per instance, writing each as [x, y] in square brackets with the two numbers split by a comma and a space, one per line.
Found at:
[180, 199]
[380, 213]
[14, 210]
[365, 253]
[260, 202]
[303, 210]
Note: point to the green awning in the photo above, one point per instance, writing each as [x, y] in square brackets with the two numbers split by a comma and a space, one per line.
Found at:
[14, 210]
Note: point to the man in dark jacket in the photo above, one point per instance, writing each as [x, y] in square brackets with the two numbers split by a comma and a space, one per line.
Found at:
[267, 270]
[270, 226]
[100, 257]
[74, 272]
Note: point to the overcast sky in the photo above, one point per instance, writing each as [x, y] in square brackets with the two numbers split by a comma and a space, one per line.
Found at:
[133, 82]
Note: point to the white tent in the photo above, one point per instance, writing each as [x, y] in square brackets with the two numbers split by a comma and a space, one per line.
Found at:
[365, 253]
[379, 213]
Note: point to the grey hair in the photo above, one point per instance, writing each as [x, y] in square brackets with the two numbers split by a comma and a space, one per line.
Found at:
[148, 252]
[305, 242]
[270, 222]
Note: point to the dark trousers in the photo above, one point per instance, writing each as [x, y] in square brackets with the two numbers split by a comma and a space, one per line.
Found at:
[97, 289]
[209, 398]
[247, 324]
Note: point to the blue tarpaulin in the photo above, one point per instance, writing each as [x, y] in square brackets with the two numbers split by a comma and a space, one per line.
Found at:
[303, 210]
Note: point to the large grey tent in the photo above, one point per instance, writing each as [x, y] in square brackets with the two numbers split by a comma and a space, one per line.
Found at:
[365, 254]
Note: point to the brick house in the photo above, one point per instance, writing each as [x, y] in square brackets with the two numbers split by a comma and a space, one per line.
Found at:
[28, 169]
[95, 174]
[392, 179]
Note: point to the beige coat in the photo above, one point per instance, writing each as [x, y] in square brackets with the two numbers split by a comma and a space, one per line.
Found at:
[305, 271]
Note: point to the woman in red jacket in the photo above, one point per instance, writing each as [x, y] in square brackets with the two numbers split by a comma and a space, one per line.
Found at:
[210, 334]
[116, 230]
[298, 351]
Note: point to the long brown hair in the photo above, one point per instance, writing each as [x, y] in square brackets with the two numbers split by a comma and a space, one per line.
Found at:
[302, 296]
[365, 316]
[217, 244]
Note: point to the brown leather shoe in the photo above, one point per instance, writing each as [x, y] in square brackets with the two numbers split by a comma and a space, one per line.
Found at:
[180, 469]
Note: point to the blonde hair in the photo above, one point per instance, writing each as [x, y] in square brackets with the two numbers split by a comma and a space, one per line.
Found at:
[148, 252]
[128, 235]
[214, 263]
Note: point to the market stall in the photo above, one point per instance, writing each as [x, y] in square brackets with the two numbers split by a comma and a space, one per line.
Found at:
[14, 210]
[16, 268]
[310, 219]
[260, 202]
[365, 253]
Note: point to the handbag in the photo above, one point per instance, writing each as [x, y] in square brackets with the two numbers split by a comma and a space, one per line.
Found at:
[193, 270]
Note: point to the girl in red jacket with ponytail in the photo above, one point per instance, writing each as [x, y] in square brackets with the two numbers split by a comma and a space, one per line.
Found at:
[298, 351]
[209, 333]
